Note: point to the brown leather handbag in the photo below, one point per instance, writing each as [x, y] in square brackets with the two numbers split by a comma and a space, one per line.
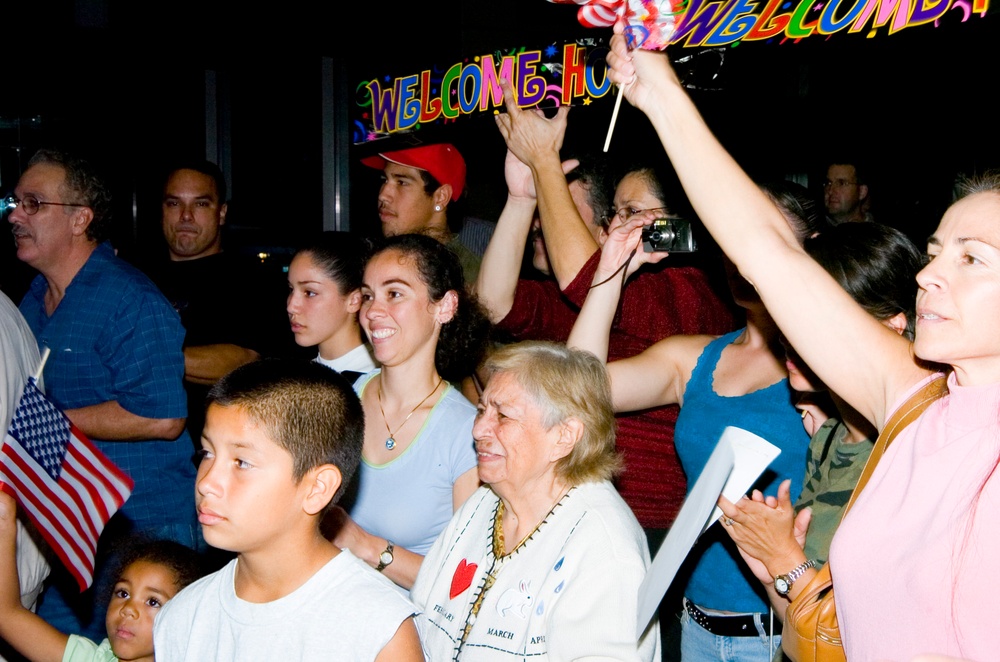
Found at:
[811, 632]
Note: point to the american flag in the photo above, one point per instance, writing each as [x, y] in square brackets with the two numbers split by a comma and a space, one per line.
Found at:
[67, 487]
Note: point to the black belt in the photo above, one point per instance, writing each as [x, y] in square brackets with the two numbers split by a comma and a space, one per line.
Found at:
[742, 625]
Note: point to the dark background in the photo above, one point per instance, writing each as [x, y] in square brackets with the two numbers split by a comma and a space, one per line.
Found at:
[125, 84]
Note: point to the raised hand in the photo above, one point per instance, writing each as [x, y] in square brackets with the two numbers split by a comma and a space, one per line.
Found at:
[640, 71]
[520, 183]
[528, 134]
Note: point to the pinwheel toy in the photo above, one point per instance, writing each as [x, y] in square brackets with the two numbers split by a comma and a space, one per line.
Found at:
[649, 24]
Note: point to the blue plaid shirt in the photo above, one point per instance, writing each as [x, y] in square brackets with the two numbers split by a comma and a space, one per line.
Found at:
[115, 337]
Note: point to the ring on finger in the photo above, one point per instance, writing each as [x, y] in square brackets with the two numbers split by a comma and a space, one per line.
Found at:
[729, 521]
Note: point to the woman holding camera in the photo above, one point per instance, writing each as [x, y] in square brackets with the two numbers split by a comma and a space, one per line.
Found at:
[736, 379]
[572, 224]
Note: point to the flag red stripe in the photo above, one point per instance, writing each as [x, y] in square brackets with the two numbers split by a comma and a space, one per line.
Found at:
[84, 493]
[102, 503]
[61, 502]
[116, 480]
[41, 492]
[80, 567]
[109, 492]
[63, 543]
[89, 520]
[70, 512]
[110, 469]
[74, 486]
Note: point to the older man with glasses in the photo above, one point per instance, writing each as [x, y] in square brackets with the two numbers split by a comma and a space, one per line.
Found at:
[116, 363]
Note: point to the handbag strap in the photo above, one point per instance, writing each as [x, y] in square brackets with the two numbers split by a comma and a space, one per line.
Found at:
[908, 412]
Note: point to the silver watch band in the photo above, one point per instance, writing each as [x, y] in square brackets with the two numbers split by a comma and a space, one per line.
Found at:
[783, 583]
[800, 570]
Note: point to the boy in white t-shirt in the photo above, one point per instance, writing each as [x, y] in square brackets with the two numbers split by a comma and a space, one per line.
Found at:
[281, 440]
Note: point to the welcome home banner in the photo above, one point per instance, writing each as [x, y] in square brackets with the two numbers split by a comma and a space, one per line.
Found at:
[576, 74]
[557, 75]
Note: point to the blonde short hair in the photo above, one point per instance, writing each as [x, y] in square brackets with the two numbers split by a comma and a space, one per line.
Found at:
[567, 383]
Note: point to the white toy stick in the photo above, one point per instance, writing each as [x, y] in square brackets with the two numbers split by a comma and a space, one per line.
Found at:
[614, 117]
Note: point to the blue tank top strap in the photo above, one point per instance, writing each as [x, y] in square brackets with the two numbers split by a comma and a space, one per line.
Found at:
[701, 376]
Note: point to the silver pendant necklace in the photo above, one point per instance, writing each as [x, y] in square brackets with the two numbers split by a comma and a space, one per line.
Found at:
[390, 442]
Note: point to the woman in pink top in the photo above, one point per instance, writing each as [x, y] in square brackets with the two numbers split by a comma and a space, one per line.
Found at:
[915, 562]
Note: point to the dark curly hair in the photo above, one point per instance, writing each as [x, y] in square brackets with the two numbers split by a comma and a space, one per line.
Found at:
[595, 178]
[83, 186]
[185, 563]
[463, 340]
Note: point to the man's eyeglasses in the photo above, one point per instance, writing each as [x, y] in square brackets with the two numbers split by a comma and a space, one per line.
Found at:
[30, 204]
[838, 183]
[626, 213]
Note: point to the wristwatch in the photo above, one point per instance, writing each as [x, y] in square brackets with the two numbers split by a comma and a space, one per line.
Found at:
[385, 558]
[783, 583]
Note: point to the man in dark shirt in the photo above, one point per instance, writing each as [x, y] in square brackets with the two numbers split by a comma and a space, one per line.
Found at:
[223, 299]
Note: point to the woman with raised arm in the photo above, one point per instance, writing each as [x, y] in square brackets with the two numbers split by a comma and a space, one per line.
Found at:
[736, 379]
[913, 563]
[418, 461]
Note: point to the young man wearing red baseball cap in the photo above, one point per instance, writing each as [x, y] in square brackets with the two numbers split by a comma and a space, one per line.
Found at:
[418, 185]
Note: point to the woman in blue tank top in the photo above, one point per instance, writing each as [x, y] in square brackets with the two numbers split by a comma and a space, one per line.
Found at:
[737, 379]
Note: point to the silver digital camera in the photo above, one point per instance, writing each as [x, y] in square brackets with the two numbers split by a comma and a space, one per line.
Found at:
[669, 234]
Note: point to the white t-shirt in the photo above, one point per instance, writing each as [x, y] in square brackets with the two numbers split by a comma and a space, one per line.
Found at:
[346, 611]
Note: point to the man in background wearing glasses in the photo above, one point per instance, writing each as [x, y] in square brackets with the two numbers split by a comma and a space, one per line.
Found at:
[845, 194]
[115, 366]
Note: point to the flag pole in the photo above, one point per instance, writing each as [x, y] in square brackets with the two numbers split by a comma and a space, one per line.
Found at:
[41, 366]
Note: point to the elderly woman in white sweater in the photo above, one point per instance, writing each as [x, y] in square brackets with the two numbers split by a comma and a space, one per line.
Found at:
[546, 559]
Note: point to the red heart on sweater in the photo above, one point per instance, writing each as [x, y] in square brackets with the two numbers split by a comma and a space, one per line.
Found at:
[462, 579]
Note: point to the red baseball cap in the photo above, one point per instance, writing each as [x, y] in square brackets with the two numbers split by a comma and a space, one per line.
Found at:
[441, 160]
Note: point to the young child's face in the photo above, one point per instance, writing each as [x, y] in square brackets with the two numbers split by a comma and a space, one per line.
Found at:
[139, 593]
[246, 493]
